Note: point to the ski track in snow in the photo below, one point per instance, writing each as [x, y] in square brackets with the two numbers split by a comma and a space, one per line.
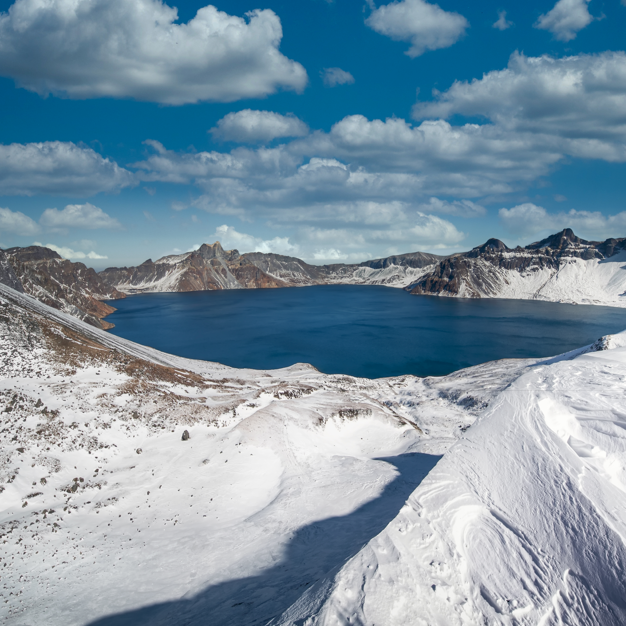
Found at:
[302, 498]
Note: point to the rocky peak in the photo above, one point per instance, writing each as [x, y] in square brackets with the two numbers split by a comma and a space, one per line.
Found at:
[491, 246]
[32, 253]
[565, 239]
[215, 251]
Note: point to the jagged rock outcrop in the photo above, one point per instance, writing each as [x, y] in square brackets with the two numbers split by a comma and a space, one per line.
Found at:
[562, 267]
[59, 283]
[7, 274]
[212, 267]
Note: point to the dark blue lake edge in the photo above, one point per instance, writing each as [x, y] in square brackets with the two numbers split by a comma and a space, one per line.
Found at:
[368, 331]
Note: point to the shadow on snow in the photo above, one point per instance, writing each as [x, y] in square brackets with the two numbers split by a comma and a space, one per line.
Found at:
[313, 553]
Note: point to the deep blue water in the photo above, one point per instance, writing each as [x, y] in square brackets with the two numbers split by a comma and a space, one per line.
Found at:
[358, 330]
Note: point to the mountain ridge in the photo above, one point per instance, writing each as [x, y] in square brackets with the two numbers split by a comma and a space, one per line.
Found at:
[71, 287]
[212, 267]
[561, 267]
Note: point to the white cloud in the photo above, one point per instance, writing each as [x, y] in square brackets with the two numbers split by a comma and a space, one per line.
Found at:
[358, 161]
[427, 231]
[577, 103]
[17, 223]
[55, 167]
[333, 76]
[416, 231]
[502, 23]
[72, 255]
[331, 255]
[529, 219]
[566, 19]
[249, 126]
[78, 216]
[460, 208]
[231, 238]
[135, 49]
[426, 26]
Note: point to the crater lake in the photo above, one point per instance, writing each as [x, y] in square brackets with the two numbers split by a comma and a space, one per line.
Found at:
[368, 331]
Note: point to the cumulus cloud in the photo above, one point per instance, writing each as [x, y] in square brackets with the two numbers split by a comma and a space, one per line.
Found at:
[566, 19]
[427, 231]
[134, 49]
[330, 255]
[17, 223]
[78, 216]
[231, 238]
[416, 231]
[529, 219]
[577, 103]
[333, 76]
[72, 255]
[358, 161]
[60, 168]
[250, 126]
[460, 208]
[426, 26]
[502, 23]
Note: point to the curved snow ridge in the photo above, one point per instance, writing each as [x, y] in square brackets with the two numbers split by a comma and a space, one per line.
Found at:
[522, 522]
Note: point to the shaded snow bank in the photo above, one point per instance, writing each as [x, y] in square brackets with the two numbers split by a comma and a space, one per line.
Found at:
[522, 522]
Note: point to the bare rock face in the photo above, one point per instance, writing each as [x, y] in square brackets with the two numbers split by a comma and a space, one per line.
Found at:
[482, 272]
[7, 274]
[208, 268]
[212, 267]
[59, 283]
[412, 259]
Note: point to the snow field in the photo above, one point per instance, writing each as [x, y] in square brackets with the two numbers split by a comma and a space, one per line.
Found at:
[302, 498]
[522, 522]
[105, 511]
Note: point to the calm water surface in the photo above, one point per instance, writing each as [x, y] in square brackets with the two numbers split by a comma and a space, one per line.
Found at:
[358, 330]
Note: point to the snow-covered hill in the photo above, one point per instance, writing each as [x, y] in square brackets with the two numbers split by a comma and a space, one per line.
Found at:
[108, 517]
[523, 521]
[560, 268]
[301, 498]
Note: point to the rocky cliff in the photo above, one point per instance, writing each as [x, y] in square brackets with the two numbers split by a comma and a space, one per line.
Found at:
[212, 267]
[562, 267]
[59, 283]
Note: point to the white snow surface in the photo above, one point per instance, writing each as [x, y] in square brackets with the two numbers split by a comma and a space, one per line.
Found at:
[594, 281]
[523, 521]
[302, 498]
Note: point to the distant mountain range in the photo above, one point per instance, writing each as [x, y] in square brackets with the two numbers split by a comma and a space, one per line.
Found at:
[212, 267]
[560, 268]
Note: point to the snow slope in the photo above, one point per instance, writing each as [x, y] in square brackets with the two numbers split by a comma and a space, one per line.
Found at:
[577, 281]
[108, 517]
[522, 522]
[300, 498]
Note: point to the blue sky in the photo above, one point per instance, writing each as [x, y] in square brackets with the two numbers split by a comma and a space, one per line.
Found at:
[332, 131]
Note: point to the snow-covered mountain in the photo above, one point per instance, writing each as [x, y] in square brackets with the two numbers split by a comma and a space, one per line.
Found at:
[301, 498]
[59, 283]
[560, 268]
[212, 267]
